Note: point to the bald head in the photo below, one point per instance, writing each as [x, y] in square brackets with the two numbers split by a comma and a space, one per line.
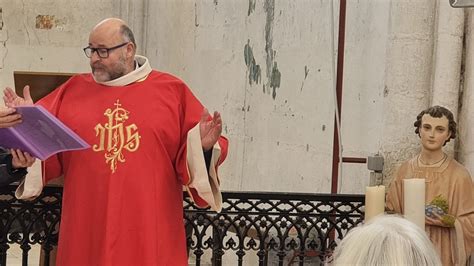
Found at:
[114, 29]
[114, 39]
[110, 22]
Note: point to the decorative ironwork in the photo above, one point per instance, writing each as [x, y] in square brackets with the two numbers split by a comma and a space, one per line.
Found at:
[29, 222]
[279, 228]
[252, 228]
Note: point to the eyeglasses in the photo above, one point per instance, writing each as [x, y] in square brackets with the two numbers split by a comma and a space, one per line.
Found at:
[101, 52]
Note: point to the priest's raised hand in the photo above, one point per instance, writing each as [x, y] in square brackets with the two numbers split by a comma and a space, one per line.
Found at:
[210, 129]
[11, 99]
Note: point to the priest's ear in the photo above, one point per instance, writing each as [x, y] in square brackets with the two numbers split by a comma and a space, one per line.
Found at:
[131, 49]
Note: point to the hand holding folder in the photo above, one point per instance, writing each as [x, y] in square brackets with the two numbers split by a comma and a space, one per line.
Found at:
[40, 134]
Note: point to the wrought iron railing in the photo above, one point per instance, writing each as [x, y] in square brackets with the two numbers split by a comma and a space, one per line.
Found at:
[254, 228]
[29, 223]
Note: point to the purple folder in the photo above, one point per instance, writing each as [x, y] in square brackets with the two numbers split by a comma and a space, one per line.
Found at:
[40, 134]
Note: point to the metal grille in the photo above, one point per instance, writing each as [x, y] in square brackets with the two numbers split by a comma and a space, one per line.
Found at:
[273, 228]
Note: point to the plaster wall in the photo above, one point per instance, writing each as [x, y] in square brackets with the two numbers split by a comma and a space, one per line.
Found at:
[269, 67]
[46, 36]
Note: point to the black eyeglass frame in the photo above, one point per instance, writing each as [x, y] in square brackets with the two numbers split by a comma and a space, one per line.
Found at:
[90, 50]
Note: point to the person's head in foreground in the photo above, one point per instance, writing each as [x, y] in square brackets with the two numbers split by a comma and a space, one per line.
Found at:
[386, 240]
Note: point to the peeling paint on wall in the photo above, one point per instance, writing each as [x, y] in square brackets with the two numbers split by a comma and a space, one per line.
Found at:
[306, 71]
[275, 80]
[1, 19]
[196, 23]
[269, 7]
[252, 67]
[251, 7]
[385, 91]
[47, 22]
[3, 41]
[273, 74]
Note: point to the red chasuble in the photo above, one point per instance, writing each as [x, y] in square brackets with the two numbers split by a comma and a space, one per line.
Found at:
[122, 200]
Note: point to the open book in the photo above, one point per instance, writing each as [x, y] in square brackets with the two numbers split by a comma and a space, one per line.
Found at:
[40, 134]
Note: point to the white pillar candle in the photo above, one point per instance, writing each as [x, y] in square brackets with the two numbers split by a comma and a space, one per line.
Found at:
[414, 201]
[374, 201]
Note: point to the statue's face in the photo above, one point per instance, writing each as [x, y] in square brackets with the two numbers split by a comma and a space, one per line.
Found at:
[434, 131]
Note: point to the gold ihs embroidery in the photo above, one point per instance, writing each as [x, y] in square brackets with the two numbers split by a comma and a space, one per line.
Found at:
[114, 136]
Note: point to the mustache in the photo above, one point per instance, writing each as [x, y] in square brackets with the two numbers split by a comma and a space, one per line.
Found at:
[97, 65]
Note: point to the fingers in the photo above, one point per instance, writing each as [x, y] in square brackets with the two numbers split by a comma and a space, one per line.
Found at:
[11, 99]
[429, 220]
[21, 159]
[217, 118]
[8, 96]
[8, 117]
[204, 115]
[6, 111]
[8, 92]
[9, 124]
[211, 123]
[29, 159]
[18, 155]
[16, 161]
[215, 123]
[26, 94]
[433, 221]
[6, 101]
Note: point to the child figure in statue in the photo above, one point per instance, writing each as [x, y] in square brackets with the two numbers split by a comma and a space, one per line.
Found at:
[449, 198]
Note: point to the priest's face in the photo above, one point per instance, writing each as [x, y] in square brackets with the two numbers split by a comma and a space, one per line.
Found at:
[108, 64]
[434, 132]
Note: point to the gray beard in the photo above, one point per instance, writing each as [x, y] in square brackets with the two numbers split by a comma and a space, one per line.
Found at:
[109, 76]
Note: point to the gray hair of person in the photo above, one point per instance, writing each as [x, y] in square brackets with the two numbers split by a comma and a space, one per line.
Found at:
[127, 34]
[386, 240]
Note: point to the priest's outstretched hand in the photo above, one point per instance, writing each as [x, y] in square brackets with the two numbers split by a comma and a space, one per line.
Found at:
[11, 99]
[210, 129]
